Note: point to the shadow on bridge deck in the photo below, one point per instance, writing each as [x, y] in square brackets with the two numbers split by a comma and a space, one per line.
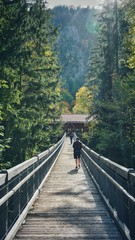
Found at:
[68, 207]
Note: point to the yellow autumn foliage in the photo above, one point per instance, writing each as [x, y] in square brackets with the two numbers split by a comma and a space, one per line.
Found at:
[83, 101]
[131, 40]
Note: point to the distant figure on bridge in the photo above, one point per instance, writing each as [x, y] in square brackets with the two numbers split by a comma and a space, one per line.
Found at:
[71, 135]
[77, 152]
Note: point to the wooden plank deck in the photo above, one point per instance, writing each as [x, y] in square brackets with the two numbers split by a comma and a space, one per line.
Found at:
[68, 207]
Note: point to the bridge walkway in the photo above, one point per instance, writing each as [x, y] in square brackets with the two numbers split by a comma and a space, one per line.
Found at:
[68, 207]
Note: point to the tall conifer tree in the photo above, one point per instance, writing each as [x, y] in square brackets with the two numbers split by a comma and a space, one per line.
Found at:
[30, 71]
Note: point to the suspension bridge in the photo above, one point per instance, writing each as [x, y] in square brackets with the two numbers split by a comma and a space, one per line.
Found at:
[47, 198]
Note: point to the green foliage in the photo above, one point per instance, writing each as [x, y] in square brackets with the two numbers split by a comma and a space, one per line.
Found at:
[111, 78]
[67, 101]
[66, 96]
[77, 34]
[5, 165]
[30, 92]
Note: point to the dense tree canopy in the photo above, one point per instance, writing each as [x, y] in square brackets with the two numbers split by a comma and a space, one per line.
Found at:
[76, 37]
[30, 87]
[111, 76]
[32, 97]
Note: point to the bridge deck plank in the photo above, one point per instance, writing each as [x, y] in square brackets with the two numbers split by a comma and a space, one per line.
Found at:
[68, 207]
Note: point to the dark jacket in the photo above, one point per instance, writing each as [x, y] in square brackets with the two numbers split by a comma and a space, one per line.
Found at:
[77, 146]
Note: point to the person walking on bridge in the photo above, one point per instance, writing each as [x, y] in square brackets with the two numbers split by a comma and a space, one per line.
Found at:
[77, 152]
[71, 135]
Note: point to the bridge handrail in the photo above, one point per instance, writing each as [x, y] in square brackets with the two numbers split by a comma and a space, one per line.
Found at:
[117, 187]
[12, 172]
[9, 194]
[20, 185]
[127, 174]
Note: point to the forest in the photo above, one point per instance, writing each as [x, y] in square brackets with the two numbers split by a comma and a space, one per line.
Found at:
[111, 82]
[66, 60]
[74, 44]
[29, 81]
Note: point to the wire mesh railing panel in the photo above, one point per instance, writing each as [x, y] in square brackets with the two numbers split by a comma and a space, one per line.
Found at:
[117, 187]
[17, 192]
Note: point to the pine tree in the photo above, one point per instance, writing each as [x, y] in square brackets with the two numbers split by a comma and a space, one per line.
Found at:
[31, 99]
[110, 134]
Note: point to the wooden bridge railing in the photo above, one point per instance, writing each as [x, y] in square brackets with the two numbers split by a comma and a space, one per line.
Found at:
[117, 187]
[19, 187]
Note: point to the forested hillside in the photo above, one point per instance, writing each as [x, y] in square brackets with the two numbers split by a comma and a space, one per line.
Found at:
[29, 82]
[66, 60]
[76, 38]
[111, 82]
